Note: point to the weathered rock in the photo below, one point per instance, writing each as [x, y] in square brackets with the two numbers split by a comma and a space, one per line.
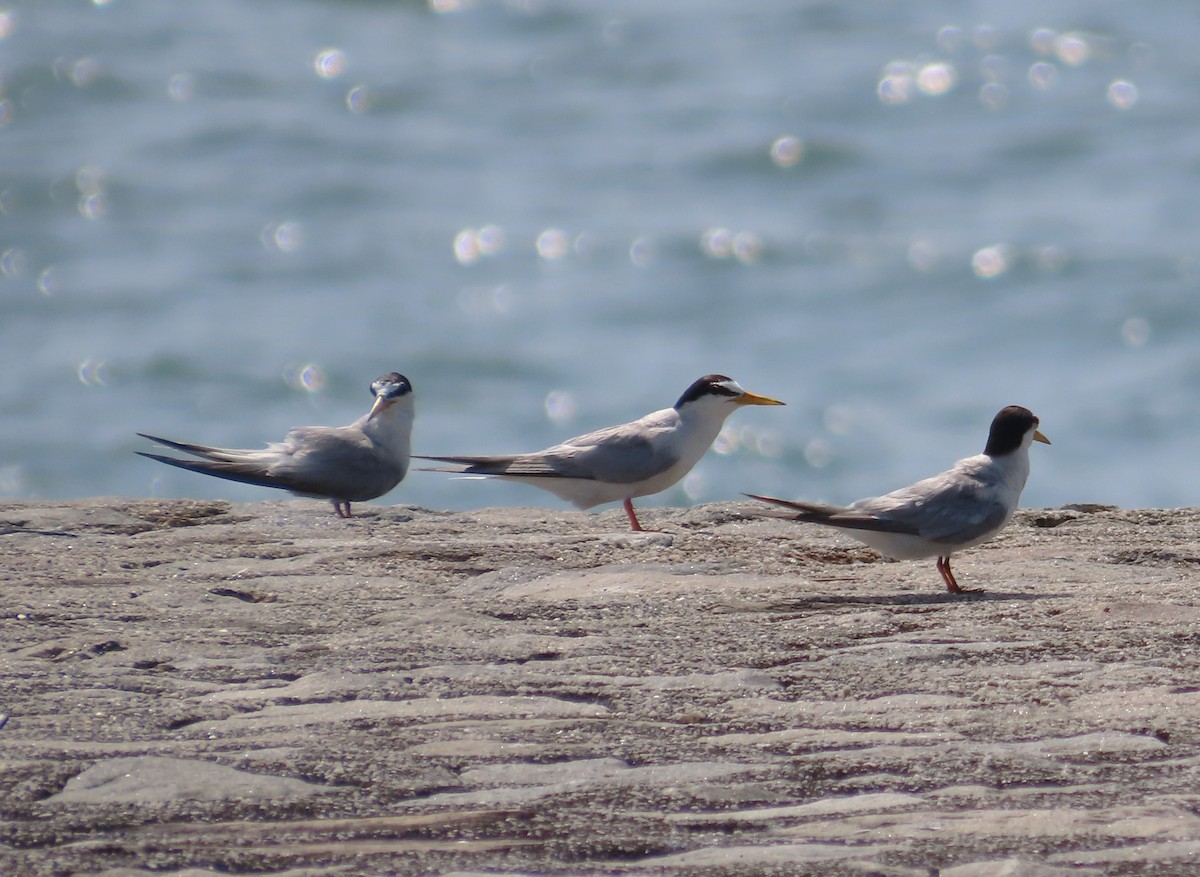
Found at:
[200, 688]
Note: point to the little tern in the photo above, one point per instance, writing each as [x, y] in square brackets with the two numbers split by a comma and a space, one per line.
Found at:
[622, 462]
[963, 506]
[343, 464]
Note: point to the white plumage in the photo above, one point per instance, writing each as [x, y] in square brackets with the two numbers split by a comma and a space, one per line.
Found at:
[343, 464]
[961, 507]
[622, 462]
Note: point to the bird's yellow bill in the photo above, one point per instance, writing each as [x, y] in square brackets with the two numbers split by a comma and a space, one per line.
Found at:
[755, 399]
[381, 403]
[1038, 437]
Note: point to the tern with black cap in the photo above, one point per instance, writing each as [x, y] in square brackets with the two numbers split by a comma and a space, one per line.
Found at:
[938, 516]
[343, 464]
[622, 462]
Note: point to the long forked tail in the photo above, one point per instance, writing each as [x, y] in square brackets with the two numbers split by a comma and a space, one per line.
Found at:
[216, 462]
[836, 516]
[468, 465]
[229, 471]
[807, 511]
[204, 451]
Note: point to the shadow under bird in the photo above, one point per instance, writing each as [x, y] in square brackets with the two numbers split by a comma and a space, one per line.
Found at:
[622, 462]
[962, 507]
[343, 464]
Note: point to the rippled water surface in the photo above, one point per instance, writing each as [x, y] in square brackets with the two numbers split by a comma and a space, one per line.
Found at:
[223, 219]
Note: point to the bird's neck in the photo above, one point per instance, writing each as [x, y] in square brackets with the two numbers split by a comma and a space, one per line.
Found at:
[702, 427]
[392, 428]
[1013, 468]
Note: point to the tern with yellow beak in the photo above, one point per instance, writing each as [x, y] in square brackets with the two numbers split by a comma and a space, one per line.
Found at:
[343, 464]
[623, 462]
[963, 506]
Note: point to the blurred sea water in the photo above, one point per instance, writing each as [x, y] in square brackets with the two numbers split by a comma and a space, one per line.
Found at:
[220, 220]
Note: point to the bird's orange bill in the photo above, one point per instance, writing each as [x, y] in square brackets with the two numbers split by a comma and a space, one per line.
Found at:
[755, 399]
[1038, 437]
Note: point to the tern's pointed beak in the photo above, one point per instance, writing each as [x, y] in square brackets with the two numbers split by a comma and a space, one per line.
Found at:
[1038, 437]
[381, 404]
[755, 399]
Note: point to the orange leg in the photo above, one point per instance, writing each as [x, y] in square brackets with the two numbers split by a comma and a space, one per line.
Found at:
[633, 521]
[943, 566]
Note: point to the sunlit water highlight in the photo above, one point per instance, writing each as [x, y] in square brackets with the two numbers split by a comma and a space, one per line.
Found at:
[221, 220]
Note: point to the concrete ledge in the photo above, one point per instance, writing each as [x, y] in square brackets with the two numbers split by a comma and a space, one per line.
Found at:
[201, 687]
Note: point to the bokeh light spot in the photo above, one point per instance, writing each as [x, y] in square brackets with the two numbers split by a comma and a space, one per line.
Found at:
[727, 441]
[466, 246]
[491, 240]
[89, 180]
[994, 68]
[560, 406]
[308, 377]
[1072, 49]
[1043, 40]
[985, 37]
[586, 245]
[838, 419]
[937, 78]
[923, 255]
[989, 262]
[787, 151]
[84, 72]
[445, 7]
[48, 282]
[12, 262]
[994, 95]
[181, 87]
[898, 83]
[643, 251]
[360, 99]
[950, 38]
[717, 243]
[1122, 94]
[771, 445]
[92, 373]
[747, 247]
[287, 237]
[552, 244]
[329, 63]
[695, 485]
[92, 206]
[1043, 75]
[818, 453]
[1135, 332]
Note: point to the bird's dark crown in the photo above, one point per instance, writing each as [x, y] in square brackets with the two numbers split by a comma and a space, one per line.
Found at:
[1009, 429]
[709, 385]
[394, 383]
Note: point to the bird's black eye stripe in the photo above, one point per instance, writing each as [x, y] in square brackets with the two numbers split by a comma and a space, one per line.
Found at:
[709, 385]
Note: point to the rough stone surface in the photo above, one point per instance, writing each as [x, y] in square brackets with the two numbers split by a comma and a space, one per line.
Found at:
[199, 688]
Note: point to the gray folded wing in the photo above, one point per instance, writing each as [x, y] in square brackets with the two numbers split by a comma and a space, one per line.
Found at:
[617, 455]
[328, 462]
[943, 510]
